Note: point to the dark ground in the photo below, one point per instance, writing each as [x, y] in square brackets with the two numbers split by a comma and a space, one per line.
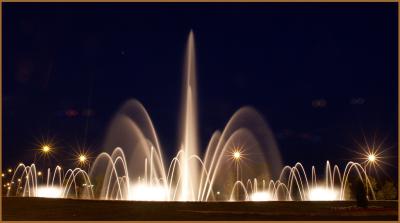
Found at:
[17, 208]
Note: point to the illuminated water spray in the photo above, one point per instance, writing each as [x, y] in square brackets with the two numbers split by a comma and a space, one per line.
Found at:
[241, 162]
[189, 136]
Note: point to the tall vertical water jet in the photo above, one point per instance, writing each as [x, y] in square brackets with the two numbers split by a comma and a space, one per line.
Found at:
[189, 135]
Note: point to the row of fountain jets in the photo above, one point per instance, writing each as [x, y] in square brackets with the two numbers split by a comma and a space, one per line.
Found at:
[241, 163]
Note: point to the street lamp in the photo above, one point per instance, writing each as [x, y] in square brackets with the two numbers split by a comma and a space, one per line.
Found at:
[237, 156]
[371, 158]
[46, 149]
[82, 158]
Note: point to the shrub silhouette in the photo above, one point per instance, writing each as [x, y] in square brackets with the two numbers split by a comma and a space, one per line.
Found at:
[361, 194]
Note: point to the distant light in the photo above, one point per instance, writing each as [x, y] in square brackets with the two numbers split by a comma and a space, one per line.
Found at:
[323, 194]
[9, 170]
[39, 173]
[261, 196]
[82, 158]
[236, 155]
[218, 192]
[46, 148]
[371, 157]
[2, 175]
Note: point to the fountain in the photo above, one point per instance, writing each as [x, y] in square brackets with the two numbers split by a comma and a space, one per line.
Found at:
[241, 162]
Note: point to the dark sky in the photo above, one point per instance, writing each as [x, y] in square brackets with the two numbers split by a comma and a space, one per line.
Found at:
[60, 60]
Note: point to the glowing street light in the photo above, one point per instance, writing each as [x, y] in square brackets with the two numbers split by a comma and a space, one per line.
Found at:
[9, 170]
[46, 149]
[236, 155]
[82, 158]
[39, 173]
[371, 158]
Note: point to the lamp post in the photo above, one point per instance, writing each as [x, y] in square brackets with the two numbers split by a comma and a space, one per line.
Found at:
[237, 156]
[371, 159]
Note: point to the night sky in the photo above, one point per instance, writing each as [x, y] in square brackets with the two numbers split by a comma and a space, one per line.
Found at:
[323, 75]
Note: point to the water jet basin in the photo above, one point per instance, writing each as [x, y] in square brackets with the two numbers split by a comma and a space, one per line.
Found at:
[30, 208]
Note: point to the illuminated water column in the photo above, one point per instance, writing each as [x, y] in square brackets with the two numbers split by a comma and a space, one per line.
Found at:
[189, 135]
